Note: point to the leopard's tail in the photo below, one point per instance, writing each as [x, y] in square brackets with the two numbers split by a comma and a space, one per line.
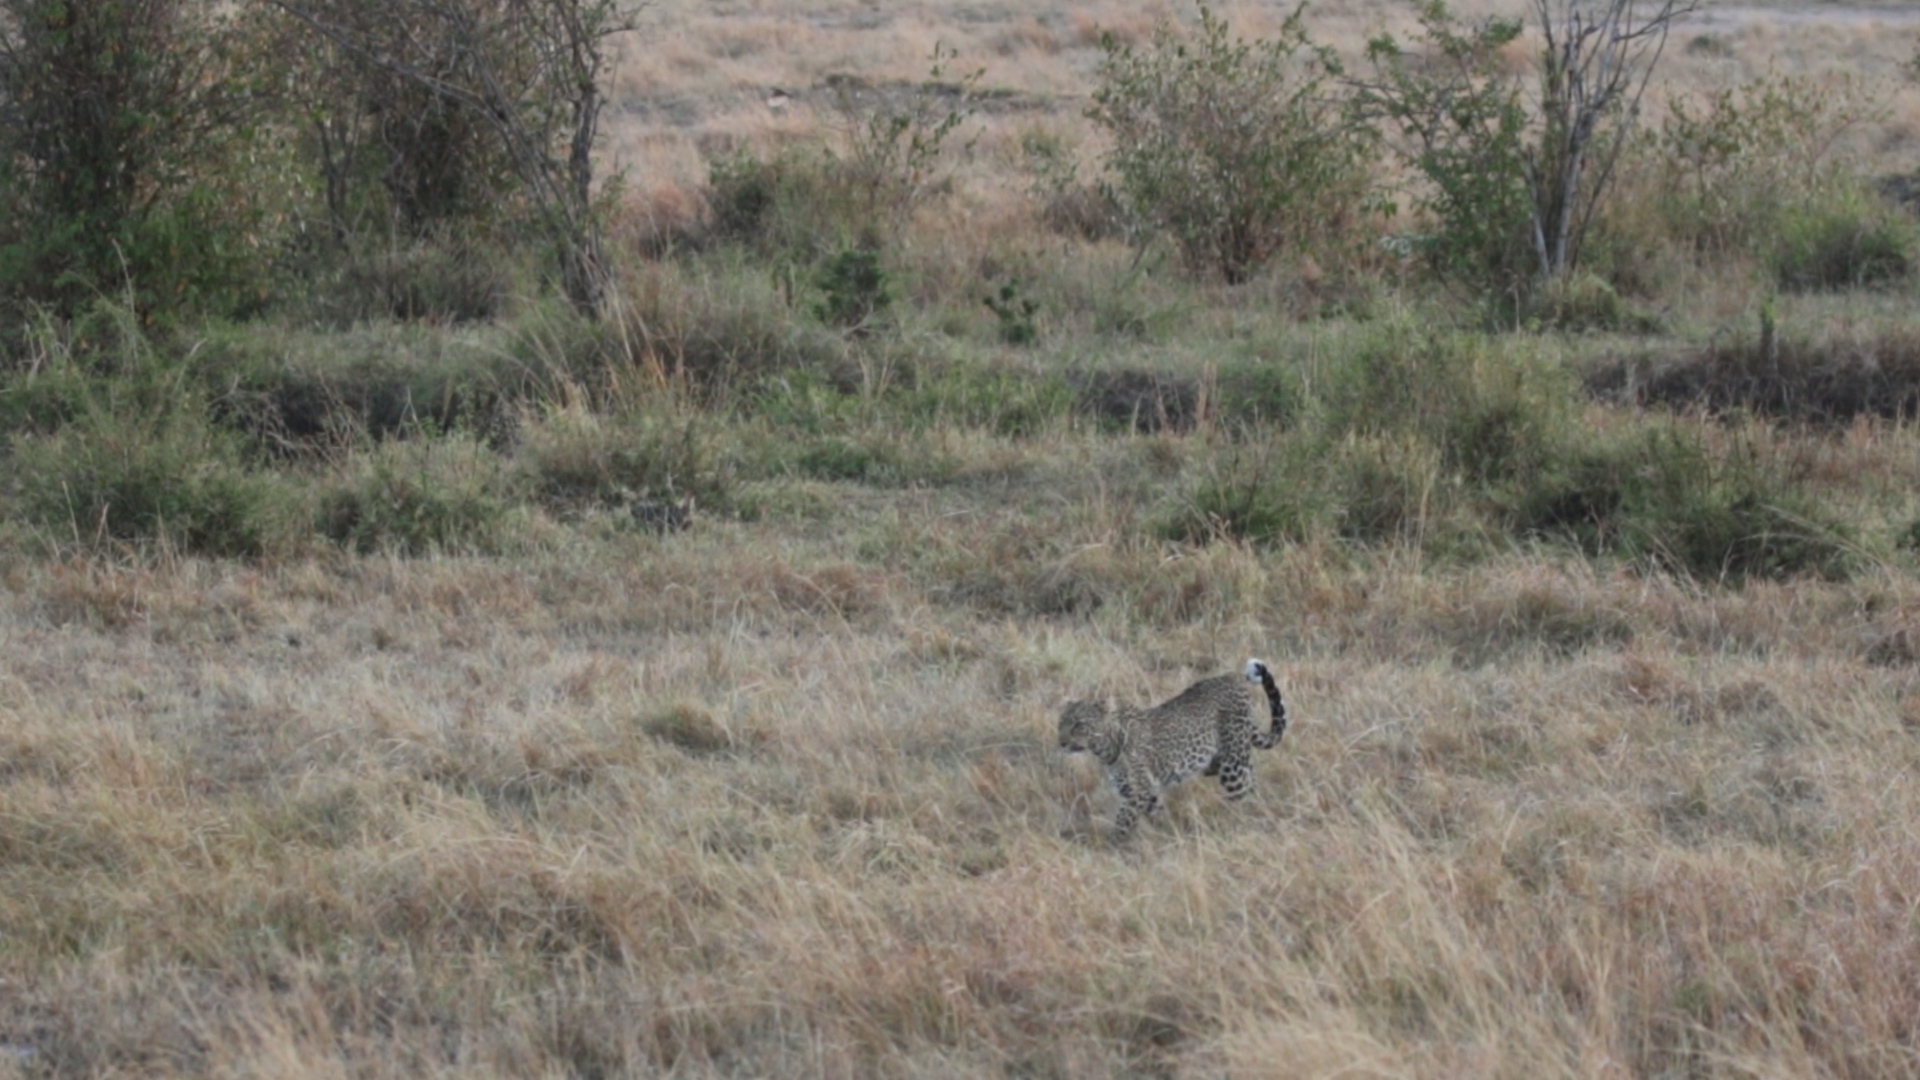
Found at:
[1257, 672]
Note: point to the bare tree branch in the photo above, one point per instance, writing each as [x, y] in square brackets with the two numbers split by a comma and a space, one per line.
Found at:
[1596, 60]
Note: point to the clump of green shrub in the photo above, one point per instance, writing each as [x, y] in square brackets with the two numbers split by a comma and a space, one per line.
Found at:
[855, 290]
[1751, 173]
[1261, 493]
[573, 457]
[1659, 493]
[1489, 407]
[172, 480]
[114, 442]
[445, 494]
[1233, 149]
[1843, 245]
[424, 282]
[1453, 442]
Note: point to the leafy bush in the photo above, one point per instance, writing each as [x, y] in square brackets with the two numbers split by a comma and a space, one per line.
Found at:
[171, 479]
[855, 290]
[117, 157]
[1383, 488]
[1661, 494]
[1014, 311]
[719, 322]
[1752, 172]
[573, 456]
[848, 459]
[1489, 408]
[1467, 127]
[1234, 149]
[439, 494]
[1005, 400]
[805, 204]
[1263, 494]
[1517, 174]
[426, 282]
[1841, 247]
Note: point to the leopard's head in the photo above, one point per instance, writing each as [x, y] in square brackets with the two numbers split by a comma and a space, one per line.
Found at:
[1088, 726]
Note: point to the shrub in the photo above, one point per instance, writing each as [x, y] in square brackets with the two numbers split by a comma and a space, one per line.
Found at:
[1661, 494]
[1466, 124]
[118, 155]
[1014, 311]
[1262, 494]
[847, 459]
[1515, 178]
[1751, 172]
[1490, 410]
[1841, 247]
[574, 457]
[1005, 400]
[1234, 149]
[720, 322]
[855, 290]
[426, 282]
[806, 204]
[1383, 489]
[781, 205]
[436, 494]
[171, 480]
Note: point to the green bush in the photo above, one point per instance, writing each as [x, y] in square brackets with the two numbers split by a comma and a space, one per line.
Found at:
[1384, 489]
[1659, 493]
[444, 494]
[122, 169]
[1233, 149]
[1751, 172]
[1490, 408]
[855, 290]
[575, 457]
[426, 282]
[724, 322]
[850, 459]
[1467, 131]
[1004, 400]
[171, 480]
[807, 205]
[1266, 493]
[1842, 247]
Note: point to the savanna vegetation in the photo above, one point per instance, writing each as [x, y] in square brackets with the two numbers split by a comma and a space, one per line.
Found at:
[545, 538]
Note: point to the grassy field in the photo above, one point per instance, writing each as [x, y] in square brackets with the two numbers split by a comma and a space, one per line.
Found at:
[405, 747]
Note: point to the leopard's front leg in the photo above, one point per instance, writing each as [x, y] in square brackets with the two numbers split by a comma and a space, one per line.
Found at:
[1139, 797]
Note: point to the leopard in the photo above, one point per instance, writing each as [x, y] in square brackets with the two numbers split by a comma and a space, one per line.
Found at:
[1207, 729]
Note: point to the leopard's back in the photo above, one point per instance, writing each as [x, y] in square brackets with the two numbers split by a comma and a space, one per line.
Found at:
[1197, 732]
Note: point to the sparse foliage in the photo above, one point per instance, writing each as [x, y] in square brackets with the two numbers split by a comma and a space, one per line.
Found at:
[1237, 150]
[529, 71]
[1516, 180]
[1758, 171]
[117, 118]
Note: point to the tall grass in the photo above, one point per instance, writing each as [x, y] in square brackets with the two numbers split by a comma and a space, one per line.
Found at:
[634, 851]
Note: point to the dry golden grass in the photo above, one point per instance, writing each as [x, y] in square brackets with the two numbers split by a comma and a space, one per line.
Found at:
[730, 803]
